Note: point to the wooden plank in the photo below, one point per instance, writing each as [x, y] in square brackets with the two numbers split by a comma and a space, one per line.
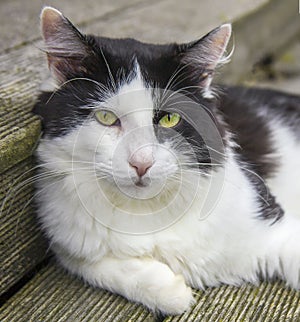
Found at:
[265, 33]
[268, 302]
[167, 21]
[22, 246]
[20, 143]
[20, 19]
[53, 295]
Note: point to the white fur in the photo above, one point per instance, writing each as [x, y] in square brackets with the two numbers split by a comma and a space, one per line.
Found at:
[285, 185]
[82, 215]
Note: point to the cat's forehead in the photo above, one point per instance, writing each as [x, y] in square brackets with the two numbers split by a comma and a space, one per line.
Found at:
[119, 59]
[133, 99]
[128, 48]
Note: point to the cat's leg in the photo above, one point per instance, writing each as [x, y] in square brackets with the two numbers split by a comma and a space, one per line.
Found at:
[147, 281]
[283, 251]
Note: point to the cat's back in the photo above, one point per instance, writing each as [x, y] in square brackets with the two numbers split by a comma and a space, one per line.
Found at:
[240, 102]
[266, 126]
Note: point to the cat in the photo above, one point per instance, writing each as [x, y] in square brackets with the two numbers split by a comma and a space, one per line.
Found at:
[152, 181]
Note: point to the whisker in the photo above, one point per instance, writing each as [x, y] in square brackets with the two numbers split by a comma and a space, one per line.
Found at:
[180, 91]
[70, 81]
[30, 201]
[113, 82]
[199, 163]
[171, 80]
[261, 180]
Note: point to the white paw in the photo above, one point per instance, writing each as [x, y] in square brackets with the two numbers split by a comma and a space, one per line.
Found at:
[174, 298]
[166, 292]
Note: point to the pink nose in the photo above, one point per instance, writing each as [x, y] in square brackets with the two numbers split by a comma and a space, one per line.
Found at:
[141, 167]
[141, 160]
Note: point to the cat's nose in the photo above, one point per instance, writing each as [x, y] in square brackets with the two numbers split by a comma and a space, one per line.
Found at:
[141, 166]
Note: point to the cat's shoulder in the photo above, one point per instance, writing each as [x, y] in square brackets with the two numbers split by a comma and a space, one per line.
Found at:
[239, 99]
[258, 118]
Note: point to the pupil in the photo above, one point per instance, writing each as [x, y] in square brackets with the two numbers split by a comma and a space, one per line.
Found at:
[169, 117]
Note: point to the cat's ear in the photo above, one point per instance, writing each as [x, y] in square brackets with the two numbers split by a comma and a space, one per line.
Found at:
[65, 46]
[204, 55]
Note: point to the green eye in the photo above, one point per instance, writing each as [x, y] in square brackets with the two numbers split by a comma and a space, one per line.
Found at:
[106, 117]
[170, 120]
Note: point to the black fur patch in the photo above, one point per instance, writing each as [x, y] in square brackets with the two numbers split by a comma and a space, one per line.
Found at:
[269, 209]
[240, 107]
[61, 111]
[250, 131]
[198, 130]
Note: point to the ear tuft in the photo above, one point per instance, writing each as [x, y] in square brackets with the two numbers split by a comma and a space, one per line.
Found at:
[64, 44]
[209, 50]
[220, 42]
[206, 54]
[50, 20]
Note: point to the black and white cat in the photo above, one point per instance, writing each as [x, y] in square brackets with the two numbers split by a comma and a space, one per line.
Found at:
[150, 183]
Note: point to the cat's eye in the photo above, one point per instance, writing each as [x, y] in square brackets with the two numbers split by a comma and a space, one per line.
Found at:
[107, 117]
[169, 120]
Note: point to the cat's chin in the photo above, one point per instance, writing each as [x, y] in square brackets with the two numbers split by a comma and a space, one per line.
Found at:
[138, 188]
[141, 188]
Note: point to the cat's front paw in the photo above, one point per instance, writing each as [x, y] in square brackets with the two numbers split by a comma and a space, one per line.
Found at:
[166, 292]
[175, 298]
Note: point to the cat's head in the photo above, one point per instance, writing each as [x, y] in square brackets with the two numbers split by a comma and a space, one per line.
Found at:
[137, 114]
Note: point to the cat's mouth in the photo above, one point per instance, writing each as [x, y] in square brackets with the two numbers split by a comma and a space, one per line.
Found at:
[140, 187]
[140, 183]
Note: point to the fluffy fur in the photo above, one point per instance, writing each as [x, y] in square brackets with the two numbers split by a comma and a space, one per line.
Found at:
[204, 212]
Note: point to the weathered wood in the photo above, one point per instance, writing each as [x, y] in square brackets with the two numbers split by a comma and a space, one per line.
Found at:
[20, 19]
[264, 33]
[22, 246]
[269, 302]
[169, 21]
[166, 20]
[53, 295]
